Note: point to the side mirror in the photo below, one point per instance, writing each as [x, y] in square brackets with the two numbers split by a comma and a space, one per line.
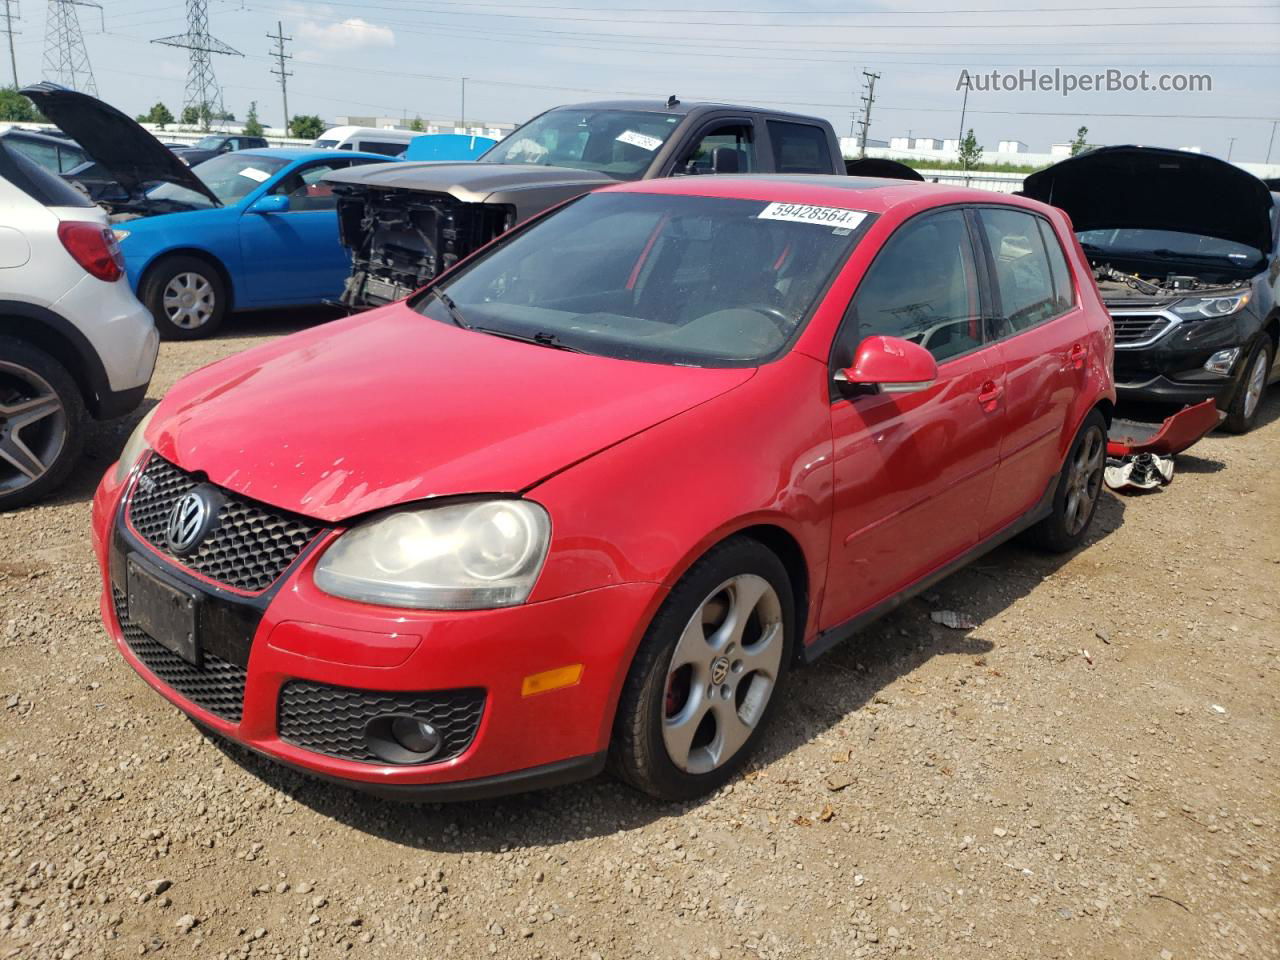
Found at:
[225, 148]
[725, 160]
[271, 203]
[890, 365]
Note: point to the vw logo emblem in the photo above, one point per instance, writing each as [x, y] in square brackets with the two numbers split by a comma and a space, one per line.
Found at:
[719, 670]
[188, 521]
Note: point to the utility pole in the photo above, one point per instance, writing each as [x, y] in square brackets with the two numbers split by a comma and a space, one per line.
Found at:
[1231, 145]
[868, 98]
[10, 11]
[1270, 143]
[280, 70]
[964, 105]
[202, 91]
[66, 61]
[464, 105]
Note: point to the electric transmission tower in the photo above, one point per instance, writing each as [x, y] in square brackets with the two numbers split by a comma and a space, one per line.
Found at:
[203, 91]
[868, 98]
[66, 61]
[280, 71]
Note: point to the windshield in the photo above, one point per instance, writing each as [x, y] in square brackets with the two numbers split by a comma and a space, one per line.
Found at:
[230, 176]
[619, 143]
[697, 281]
[1165, 245]
[208, 143]
[325, 144]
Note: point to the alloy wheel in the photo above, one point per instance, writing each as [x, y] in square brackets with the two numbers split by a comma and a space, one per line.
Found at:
[1084, 480]
[1255, 384]
[188, 300]
[33, 426]
[722, 673]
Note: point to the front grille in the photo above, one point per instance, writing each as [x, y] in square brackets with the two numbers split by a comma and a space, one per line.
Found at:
[250, 545]
[332, 720]
[1139, 328]
[218, 687]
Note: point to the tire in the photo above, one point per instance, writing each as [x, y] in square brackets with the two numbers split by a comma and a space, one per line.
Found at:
[41, 423]
[1079, 488]
[1242, 410]
[186, 297]
[663, 742]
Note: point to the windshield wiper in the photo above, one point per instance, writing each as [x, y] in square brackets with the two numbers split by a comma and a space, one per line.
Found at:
[454, 313]
[537, 339]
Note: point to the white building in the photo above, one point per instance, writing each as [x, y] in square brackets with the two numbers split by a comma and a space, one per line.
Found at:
[1012, 146]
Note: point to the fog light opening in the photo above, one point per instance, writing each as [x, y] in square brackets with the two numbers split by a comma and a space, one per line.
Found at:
[1222, 361]
[402, 738]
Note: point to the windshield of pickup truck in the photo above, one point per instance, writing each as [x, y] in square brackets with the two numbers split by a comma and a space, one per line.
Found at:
[696, 281]
[209, 143]
[618, 143]
[231, 177]
[1164, 245]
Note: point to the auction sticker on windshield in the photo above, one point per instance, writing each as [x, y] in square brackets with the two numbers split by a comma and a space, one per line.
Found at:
[640, 140]
[253, 173]
[804, 213]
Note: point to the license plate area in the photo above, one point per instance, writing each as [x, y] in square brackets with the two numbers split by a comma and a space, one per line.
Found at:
[166, 612]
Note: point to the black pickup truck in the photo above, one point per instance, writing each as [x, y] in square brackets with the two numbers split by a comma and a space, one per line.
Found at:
[406, 222]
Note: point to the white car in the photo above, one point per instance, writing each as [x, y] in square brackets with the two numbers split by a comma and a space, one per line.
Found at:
[74, 340]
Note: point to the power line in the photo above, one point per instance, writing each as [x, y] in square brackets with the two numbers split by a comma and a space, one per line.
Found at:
[280, 70]
[202, 90]
[66, 61]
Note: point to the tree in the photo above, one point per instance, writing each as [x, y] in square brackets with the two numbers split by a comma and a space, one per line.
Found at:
[252, 127]
[191, 114]
[306, 126]
[1079, 143]
[416, 125]
[159, 115]
[970, 151]
[17, 108]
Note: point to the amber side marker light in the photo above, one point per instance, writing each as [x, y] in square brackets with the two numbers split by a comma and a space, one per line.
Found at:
[551, 680]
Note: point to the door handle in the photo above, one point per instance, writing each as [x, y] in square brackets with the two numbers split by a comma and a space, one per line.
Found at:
[990, 394]
[1076, 354]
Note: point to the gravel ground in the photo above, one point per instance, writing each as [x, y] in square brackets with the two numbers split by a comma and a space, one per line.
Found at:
[1091, 772]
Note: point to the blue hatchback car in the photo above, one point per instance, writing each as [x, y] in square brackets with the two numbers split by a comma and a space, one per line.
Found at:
[270, 240]
[241, 231]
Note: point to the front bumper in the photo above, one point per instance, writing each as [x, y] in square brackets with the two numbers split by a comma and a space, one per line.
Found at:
[520, 742]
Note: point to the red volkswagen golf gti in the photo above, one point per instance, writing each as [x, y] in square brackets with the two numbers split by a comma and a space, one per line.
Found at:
[589, 496]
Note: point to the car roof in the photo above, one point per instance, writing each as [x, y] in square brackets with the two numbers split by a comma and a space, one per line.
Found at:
[680, 108]
[870, 194]
[60, 139]
[304, 153]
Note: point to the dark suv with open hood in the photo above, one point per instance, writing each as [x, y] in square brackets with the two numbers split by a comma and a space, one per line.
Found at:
[406, 225]
[1184, 250]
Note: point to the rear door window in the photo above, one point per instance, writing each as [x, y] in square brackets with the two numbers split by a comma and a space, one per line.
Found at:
[1024, 274]
[799, 148]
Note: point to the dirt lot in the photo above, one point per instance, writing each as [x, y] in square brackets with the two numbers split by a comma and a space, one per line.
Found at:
[1092, 772]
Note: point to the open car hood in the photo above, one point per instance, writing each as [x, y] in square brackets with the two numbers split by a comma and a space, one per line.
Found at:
[133, 157]
[1153, 188]
[469, 182]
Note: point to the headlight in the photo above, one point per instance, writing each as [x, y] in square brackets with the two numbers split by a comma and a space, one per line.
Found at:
[120, 234]
[1211, 306]
[134, 448]
[462, 556]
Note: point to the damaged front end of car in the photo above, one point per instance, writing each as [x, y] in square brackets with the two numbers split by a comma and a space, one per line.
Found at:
[400, 240]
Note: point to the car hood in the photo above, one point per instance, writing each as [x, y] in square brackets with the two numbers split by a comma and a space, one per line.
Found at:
[1157, 189]
[471, 182]
[389, 407]
[131, 156]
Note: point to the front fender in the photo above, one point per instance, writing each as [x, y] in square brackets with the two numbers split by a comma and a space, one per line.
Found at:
[213, 234]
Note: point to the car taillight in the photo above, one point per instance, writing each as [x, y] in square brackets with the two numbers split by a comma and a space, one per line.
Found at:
[94, 247]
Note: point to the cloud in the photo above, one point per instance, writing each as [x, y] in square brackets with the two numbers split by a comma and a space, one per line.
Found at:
[350, 34]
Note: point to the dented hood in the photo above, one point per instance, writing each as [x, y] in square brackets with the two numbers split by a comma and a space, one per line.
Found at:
[389, 407]
[132, 157]
[468, 182]
[1153, 188]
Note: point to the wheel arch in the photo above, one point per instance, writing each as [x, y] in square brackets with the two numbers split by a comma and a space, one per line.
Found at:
[199, 253]
[55, 335]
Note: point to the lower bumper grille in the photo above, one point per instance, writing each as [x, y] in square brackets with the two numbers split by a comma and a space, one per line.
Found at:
[218, 687]
[332, 720]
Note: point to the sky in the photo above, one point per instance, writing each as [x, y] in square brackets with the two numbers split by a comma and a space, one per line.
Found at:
[407, 57]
